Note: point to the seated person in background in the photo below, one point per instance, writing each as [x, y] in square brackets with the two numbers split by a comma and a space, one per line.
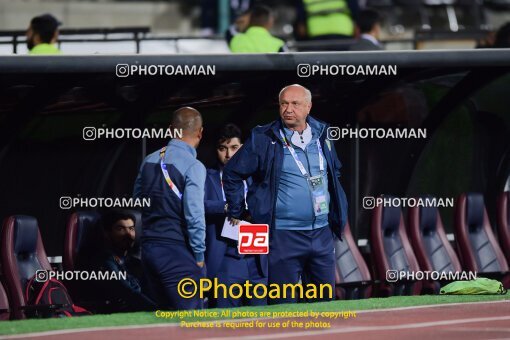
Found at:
[42, 35]
[369, 26]
[119, 235]
[239, 26]
[257, 38]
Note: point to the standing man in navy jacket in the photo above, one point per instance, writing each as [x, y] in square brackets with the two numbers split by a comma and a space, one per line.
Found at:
[296, 190]
[222, 259]
[173, 235]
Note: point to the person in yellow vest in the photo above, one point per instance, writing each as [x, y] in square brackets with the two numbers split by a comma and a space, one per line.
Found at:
[257, 38]
[326, 19]
[42, 35]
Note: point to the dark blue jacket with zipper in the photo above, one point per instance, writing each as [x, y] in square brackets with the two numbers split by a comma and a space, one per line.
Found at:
[261, 158]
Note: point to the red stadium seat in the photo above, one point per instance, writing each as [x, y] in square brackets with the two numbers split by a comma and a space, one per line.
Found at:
[83, 237]
[431, 247]
[22, 254]
[4, 304]
[476, 242]
[391, 251]
[352, 276]
[504, 223]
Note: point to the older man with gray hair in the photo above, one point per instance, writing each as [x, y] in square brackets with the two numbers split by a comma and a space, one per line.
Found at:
[296, 190]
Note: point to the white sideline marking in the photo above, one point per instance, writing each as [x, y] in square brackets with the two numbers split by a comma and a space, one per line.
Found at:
[367, 328]
[108, 328]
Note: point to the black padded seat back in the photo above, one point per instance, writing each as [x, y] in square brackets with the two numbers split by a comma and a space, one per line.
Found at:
[436, 251]
[26, 232]
[393, 247]
[485, 255]
[483, 249]
[350, 271]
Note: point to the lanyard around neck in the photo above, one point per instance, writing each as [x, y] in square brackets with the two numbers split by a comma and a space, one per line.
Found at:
[296, 159]
[166, 175]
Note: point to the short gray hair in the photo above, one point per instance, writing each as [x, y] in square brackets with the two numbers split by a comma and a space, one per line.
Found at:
[308, 94]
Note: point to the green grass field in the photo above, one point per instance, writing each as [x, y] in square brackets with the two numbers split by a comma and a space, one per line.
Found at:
[143, 318]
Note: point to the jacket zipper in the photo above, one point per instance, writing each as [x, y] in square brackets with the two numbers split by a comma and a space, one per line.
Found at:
[308, 183]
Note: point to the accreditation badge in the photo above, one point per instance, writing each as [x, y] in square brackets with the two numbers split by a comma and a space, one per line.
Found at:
[319, 191]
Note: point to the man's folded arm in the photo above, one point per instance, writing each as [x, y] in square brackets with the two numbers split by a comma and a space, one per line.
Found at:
[214, 207]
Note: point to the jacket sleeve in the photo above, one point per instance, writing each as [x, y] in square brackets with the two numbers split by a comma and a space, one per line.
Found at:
[137, 190]
[213, 207]
[240, 167]
[193, 203]
[341, 193]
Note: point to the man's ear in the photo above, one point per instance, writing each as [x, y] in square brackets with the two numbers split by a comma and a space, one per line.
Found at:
[200, 132]
[309, 107]
[55, 37]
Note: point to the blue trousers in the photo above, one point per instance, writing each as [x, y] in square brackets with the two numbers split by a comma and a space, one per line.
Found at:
[165, 265]
[308, 255]
[238, 270]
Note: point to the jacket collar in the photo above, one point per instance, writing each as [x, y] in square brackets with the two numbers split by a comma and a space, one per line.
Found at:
[183, 145]
[318, 126]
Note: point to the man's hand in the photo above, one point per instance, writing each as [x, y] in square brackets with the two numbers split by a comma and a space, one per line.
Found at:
[234, 221]
[200, 264]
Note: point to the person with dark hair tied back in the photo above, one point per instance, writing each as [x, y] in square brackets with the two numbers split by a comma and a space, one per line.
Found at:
[257, 38]
[42, 35]
[119, 236]
[369, 25]
[222, 258]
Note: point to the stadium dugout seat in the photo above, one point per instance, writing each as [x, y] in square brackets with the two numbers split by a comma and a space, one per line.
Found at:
[391, 251]
[352, 277]
[479, 250]
[4, 304]
[503, 211]
[431, 247]
[22, 254]
[84, 241]
[84, 238]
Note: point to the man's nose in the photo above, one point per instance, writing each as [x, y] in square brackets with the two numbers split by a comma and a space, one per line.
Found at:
[227, 154]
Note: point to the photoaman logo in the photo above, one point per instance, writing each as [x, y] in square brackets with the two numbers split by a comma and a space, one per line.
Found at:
[253, 239]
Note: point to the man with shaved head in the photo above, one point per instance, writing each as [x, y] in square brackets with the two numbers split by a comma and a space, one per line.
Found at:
[296, 191]
[173, 234]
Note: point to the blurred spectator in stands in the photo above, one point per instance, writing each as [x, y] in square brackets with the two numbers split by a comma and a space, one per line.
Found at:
[124, 295]
[369, 25]
[257, 38]
[503, 37]
[239, 26]
[325, 19]
[42, 35]
[210, 14]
